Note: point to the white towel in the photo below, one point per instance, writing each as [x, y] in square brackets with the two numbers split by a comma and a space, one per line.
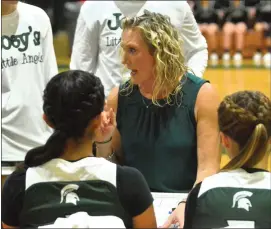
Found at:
[83, 220]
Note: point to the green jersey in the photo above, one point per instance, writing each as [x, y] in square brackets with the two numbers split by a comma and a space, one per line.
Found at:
[233, 199]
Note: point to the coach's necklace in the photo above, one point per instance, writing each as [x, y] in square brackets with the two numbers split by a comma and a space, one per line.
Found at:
[143, 100]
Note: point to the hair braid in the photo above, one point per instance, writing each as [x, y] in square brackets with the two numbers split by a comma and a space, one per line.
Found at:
[246, 118]
[71, 100]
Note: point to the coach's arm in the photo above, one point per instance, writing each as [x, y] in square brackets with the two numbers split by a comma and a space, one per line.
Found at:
[207, 132]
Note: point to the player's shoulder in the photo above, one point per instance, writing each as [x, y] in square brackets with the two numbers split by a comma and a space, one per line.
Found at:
[92, 6]
[180, 5]
[95, 10]
[168, 7]
[31, 10]
[34, 17]
[16, 178]
[253, 178]
[127, 174]
[128, 170]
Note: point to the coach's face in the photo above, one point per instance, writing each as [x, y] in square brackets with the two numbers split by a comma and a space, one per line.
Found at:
[136, 56]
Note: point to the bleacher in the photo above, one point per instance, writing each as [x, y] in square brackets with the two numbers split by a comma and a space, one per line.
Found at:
[252, 41]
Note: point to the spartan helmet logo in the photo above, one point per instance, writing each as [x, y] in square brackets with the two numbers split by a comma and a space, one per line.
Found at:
[242, 201]
[67, 194]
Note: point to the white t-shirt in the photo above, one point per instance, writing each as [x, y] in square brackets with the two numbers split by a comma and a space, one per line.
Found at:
[28, 62]
[98, 34]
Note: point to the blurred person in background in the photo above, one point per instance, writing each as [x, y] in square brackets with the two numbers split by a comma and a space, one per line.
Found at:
[28, 63]
[208, 15]
[63, 15]
[263, 24]
[237, 17]
[55, 10]
[72, 10]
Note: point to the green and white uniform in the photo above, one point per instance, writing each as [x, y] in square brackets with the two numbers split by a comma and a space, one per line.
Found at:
[40, 195]
[234, 199]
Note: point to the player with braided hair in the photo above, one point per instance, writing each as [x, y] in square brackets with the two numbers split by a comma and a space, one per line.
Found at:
[239, 196]
[62, 179]
[250, 112]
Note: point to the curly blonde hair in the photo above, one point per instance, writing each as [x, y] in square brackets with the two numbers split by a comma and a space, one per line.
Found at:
[164, 43]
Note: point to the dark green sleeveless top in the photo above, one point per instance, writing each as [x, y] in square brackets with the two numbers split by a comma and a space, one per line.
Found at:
[161, 142]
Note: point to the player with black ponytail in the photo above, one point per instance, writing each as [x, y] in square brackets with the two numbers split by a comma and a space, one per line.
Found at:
[62, 178]
[68, 112]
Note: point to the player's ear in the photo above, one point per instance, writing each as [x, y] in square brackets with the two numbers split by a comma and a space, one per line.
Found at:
[44, 117]
[225, 140]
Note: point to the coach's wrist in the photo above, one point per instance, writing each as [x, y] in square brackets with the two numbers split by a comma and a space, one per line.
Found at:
[103, 142]
[182, 202]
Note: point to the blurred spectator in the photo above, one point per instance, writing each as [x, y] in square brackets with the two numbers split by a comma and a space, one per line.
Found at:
[63, 14]
[208, 14]
[28, 63]
[237, 17]
[56, 11]
[72, 10]
[58, 20]
[44, 4]
[263, 24]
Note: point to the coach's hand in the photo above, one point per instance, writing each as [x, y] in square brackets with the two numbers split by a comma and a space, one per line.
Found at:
[176, 217]
[107, 125]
